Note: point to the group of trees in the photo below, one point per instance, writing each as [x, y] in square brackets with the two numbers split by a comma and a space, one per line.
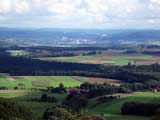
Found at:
[62, 113]
[11, 111]
[76, 102]
[57, 113]
[60, 89]
[72, 108]
[20, 86]
[142, 109]
[3, 88]
[45, 98]
[96, 90]
[148, 85]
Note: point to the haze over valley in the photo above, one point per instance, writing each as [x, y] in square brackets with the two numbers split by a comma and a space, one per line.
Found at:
[76, 37]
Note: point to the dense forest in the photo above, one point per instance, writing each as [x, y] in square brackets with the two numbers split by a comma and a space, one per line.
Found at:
[26, 66]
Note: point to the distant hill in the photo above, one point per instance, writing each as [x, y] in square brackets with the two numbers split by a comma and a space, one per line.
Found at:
[72, 37]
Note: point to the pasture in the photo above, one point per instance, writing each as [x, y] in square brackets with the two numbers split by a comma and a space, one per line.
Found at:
[109, 59]
[21, 97]
[28, 82]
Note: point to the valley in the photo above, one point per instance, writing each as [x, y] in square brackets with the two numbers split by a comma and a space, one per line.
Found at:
[82, 79]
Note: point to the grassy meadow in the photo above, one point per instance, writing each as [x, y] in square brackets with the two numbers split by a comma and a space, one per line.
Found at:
[21, 97]
[29, 82]
[108, 59]
[37, 81]
[112, 109]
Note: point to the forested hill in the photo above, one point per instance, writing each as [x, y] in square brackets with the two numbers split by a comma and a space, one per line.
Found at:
[25, 66]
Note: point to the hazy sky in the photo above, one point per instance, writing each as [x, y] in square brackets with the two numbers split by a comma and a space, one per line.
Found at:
[80, 13]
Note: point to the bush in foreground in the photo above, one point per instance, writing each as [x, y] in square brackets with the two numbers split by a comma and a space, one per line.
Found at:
[61, 113]
[11, 111]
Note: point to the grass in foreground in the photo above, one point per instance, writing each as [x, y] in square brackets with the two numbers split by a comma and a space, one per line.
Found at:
[111, 110]
[22, 96]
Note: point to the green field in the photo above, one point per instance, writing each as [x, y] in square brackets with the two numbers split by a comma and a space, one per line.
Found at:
[118, 61]
[28, 82]
[37, 81]
[111, 110]
[21, 97]
[16, 53]
[111, 59]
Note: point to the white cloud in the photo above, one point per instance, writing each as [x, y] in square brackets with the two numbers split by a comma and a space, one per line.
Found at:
[124, 8]
[96, 6]
[151, 21]
[5, 6]
[21, 6]
[154, 8]
[155, 1]
[81, 12]
[57, 7]
[154, 4]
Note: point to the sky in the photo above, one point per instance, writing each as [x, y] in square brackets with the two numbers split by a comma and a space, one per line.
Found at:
[103, 14]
